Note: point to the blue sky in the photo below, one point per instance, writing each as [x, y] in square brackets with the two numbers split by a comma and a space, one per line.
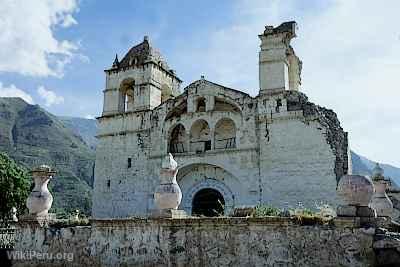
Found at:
[54, 53]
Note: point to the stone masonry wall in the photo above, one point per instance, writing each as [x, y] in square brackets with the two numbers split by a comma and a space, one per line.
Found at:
[267, 241]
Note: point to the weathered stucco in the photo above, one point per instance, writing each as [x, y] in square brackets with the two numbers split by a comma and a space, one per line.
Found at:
[201, 242]
[275, 148]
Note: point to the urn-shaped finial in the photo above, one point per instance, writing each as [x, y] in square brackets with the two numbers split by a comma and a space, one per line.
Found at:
[356, 190]
[380, 200]
[14, 217]
[377, 172]
[168, 195]
[40, 199]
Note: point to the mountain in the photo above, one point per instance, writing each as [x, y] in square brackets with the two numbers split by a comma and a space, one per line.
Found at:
[32, 136]
[359, 167]
[86, 128]
[390, 171]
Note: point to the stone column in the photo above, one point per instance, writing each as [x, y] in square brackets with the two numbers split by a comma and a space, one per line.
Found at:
[168, 194]
[380, 201]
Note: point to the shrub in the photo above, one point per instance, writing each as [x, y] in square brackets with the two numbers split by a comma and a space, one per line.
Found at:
[263, 210]
[14, 187]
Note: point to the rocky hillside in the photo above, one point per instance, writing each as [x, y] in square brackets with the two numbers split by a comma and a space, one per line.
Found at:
[86, 128]
[364, 166]
[32, 136]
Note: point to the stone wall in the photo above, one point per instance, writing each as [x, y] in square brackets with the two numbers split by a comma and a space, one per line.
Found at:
[267, 241]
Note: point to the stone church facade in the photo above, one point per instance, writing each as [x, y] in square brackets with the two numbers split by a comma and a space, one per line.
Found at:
[232, 149]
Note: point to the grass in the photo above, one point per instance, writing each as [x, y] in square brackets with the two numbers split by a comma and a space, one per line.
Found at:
[300, 215]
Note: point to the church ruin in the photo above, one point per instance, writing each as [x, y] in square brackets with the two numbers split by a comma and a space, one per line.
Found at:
[232, 149]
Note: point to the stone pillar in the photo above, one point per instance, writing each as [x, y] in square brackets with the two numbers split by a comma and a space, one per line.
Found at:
[356, 191]
[168, 194]
[40, 199]
[380, 201]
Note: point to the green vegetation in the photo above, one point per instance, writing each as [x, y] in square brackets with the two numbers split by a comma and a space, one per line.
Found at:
[71, 219]
[304, 216]
[14, 187]
[266, 210]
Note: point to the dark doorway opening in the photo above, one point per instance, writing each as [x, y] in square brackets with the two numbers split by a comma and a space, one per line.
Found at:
[208, 202]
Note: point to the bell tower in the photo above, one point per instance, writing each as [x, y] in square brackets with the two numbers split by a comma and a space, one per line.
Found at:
[142, 80]
[279, 67]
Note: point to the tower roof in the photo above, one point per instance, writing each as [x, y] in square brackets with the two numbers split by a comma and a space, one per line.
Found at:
[142, 53]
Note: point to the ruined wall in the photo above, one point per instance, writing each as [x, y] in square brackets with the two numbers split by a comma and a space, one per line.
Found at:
[303, 151]
[200, 242]
[297, 165]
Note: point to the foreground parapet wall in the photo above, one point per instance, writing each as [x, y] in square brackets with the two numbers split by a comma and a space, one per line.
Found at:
[267, 241]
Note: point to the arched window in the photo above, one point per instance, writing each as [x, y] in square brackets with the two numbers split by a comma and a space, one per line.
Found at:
[200, 138]
[177, 140]
[201, 105]
[225, 134]
[126, 95]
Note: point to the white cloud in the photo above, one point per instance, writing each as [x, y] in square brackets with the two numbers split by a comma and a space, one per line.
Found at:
[13, 91]
[350, 50]
[27, 41]
[89, 117]
[50, 97]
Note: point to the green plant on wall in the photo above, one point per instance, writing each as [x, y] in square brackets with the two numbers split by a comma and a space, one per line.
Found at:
[14, 187]
[266, 210]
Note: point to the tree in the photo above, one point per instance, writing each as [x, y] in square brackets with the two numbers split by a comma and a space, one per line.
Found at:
[14, 186]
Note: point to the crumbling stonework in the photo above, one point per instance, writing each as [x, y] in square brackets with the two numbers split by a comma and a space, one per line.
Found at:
[200, 242]
[336, 137]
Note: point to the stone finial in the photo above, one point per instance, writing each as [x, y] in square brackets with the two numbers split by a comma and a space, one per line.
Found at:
[169, 163]
[116, 62]
[146, 38]
[40, 199]
[377, 172]
[355, 190]
[75, 215]
[14, 217]
[168, 194]
[380, 200]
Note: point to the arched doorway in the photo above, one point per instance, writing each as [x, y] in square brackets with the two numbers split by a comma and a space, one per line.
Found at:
[208, 202]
